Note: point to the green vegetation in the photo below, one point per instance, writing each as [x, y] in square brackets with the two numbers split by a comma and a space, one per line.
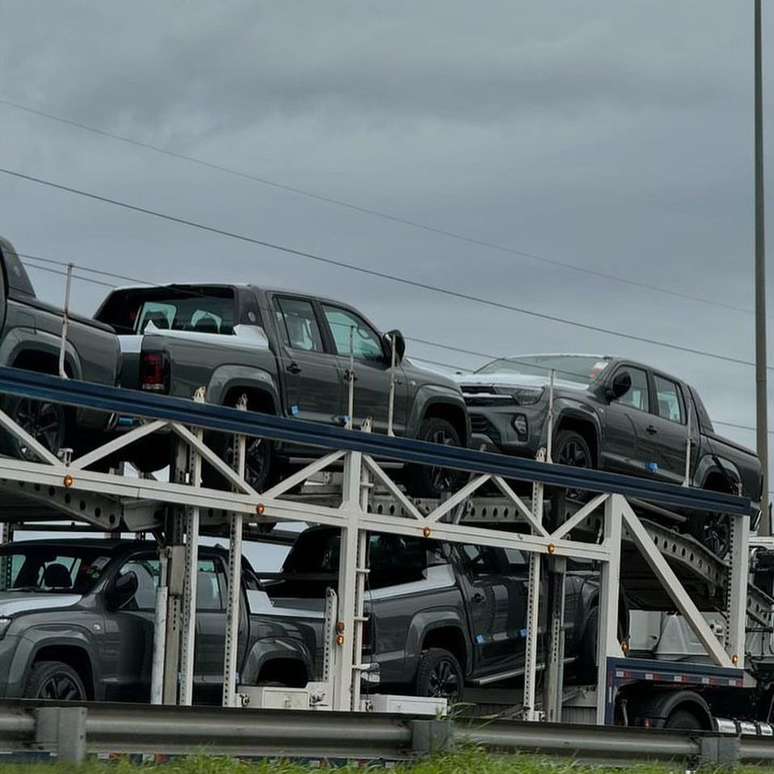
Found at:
[464, 762]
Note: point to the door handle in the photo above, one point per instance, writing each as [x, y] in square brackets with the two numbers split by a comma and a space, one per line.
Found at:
[294, 368]
[651, 429]
[479, 597]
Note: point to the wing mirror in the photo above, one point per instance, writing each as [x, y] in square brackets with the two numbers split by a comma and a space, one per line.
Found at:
[395, 339]
[123, 589]
[622, 383]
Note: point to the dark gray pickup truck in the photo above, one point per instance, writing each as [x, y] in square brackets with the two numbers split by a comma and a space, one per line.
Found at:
[30, 338]
[290, 355]
[440, 616]
[613, 414]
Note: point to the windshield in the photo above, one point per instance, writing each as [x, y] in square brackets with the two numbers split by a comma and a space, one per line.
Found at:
[583, 369]
[60, 569]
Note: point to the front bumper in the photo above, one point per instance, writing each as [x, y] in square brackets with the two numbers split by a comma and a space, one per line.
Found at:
[501, 428]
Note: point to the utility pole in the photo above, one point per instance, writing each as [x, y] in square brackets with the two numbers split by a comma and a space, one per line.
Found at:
[761, 392]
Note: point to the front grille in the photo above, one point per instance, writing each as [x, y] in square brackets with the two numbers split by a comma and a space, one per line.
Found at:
[477, 389]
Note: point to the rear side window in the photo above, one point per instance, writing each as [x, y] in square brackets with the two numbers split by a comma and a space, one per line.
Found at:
[298, 324]
[18, 279]
[669, 400]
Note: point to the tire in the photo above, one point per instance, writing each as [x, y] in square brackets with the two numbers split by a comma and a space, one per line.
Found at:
[683, 720]
[428, 481]
[587, 663]
[571, 448]
[43, 420]
[439, 675]
[56, 681]
[261, 465]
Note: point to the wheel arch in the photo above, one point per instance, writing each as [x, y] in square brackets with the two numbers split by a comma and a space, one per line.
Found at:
[586, 426]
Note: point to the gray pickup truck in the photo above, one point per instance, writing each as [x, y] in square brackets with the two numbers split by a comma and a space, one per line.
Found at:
[30, 338]
[76, 617]
[612, 414]
[440, 616]
[290, 355]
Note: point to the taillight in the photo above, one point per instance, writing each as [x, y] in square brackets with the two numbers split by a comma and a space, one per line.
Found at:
[154, 372]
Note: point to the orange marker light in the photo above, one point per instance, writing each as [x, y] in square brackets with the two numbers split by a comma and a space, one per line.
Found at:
[551, 548]
[260, 509]
[427, 532]
[340, 640]
[69, 481]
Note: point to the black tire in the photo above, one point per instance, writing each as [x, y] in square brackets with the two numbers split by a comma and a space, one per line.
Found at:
[439, 675]
[429, 481]
[261, 465]
[56, 681]
[587, 662]
[683, 720]
[571, 448]
[43, 420]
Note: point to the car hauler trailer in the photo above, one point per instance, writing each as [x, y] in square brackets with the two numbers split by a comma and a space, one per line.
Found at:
[665, 571]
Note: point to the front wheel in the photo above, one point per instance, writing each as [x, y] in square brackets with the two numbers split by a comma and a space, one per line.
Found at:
[572, 449]
[428, 480]
[56, 681]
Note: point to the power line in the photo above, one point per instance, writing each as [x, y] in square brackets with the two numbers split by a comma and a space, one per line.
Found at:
[371, 211]
[424, 342]
[372, 272]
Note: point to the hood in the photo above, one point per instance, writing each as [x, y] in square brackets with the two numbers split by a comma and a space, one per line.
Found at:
[12, 602]
[509, 379]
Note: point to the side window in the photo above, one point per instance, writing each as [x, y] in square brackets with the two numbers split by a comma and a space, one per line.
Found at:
[298, 324]
[148, 572]
[396, 559]
[481, 560]
[350, 330]
[210, 586]
[637, 396]
[669, 400]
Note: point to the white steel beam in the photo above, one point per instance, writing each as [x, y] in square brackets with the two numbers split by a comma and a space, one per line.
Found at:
[302, 475]
[160, 632]
[458, 497]
[608, 645]
[531, 654]
[117, 444]
[534, 522]
[579, 516]
[675, 589]
[8, 424]
[737, 589]
[393, 488]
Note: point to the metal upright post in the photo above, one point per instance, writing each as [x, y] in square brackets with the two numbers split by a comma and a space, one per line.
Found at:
[347, 589]
[351, 381]
[736, 613]
[761, 371]
[160, 632]
[550, 424]
[533, 608]
[687, 474]
[65, 322]
[391, 403]
[609, 589]
[555, 655]
[234, 584]
[191, 575]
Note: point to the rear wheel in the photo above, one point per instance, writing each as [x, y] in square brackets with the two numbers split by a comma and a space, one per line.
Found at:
[45, 422]
[56, 681]
[683, 720]
[428, 480]
[440, 675]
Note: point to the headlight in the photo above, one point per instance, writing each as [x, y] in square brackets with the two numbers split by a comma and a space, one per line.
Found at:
[4, 624]
[526, 396]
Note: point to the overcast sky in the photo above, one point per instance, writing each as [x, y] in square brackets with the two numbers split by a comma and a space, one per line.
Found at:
[615, 136]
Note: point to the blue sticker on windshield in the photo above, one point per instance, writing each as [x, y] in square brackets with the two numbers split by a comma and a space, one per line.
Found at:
[653, 467]
[294, 410]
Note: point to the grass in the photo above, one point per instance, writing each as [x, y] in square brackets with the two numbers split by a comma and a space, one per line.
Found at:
[469, 761]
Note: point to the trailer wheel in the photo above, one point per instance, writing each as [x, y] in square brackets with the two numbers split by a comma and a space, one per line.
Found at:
[440, 675]
[685, 720]
[54, 680]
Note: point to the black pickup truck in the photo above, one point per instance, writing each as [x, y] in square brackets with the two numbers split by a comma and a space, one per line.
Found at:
[613, 414]
[30, 338]
[440, 616]
[290, 355]
[76, 617]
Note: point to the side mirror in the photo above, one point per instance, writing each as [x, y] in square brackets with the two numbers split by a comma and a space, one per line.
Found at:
[622, 383]
[395, 339]
[123, 589]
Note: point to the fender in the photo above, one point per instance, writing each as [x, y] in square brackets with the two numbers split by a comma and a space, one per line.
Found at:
[427, 621]
[708, 465]
[35, 639]
[228, 377]
[21, 340]
[432, 395]
[661, 705]
[568, 408]
[271, 649]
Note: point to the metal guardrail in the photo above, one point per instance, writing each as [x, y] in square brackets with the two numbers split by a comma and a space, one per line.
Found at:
[228, 420]
[71, 732]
